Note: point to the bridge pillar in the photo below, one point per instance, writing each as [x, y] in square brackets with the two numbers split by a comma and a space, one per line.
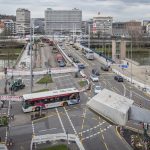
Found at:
[113, 49]
[122, 49]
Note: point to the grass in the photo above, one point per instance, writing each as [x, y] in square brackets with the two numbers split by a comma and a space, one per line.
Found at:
[3, 121]
[46, 79]
[42, 90]
[57, 147]
[82, 83]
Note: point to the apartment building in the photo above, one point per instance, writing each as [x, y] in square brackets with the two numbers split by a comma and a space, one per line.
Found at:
[22, 21]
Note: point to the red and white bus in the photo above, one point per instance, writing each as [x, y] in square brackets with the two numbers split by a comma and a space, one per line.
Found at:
[50, 99]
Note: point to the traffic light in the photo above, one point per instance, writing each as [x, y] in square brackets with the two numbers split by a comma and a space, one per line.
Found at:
[5, 70]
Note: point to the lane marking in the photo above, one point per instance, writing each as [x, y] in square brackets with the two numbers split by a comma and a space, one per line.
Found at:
[70, 121]
[33, 129]
[88, 130]
[106, 146]
[61, 76]
[82, 126]
[60, 120]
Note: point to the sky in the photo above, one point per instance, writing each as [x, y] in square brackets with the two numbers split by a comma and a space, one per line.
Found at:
[120, 10]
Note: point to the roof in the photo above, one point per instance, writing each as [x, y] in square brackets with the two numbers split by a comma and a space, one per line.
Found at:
[113, 100]
[49, 93]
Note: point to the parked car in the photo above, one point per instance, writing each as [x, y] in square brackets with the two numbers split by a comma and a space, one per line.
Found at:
[97, 89]
[95, 71]
[94, 78]
[118, 78]
[81, 66]
[105, 68]
[62, 64]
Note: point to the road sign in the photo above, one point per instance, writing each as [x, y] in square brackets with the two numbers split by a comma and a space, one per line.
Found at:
[124, 66]
[11, 98]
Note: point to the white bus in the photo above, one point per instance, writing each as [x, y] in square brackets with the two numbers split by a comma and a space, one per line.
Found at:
[88, 53]
[50, 99]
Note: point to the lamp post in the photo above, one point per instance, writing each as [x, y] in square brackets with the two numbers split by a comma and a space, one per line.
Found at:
[89, 30]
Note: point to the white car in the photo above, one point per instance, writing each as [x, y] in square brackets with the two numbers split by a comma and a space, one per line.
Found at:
[94, 78]
[97, 89]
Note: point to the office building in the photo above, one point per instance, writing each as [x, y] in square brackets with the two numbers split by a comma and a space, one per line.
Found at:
[22, 21]
[62, 21]
[102, 24]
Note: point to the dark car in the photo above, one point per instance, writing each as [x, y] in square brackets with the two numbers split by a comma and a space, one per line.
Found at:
[118, 78]
[62, 64]
[105, 68]
[95, 71]
[81, 66]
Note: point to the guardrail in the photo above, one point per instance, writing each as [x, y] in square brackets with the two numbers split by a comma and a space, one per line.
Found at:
[137, 84]
[56, 137]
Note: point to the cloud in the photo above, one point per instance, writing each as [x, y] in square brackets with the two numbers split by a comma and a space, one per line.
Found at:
[119, 9]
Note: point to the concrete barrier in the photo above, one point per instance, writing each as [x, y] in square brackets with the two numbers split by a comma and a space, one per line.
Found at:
[40, 139]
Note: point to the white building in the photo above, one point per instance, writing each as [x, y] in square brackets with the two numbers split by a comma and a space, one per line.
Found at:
[22, 21]
[102, 24]
[62, 21]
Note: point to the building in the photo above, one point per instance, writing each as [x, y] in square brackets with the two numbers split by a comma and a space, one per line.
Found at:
[62, 21]
[146, 26]
[102, 24]
[38, 22]
[126, 29]
[9, 26]
[22, 21]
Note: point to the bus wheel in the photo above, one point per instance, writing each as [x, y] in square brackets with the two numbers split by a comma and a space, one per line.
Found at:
[37, 109]
[65, 104]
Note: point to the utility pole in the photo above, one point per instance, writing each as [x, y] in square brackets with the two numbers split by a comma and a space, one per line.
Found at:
[89, 36]
[31, 80]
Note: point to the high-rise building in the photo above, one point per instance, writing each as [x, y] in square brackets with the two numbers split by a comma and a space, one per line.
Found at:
[63, 21]
[22, 21]
[102, 24]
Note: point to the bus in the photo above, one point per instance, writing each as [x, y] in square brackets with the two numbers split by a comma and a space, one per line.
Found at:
[50, 99]
[88, 53]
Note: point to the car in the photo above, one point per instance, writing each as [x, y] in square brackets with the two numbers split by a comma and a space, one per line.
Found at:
[95, 71]
[94, 78]
[69, 55]
[105, 68]
[97, 89]
[118, 78]
[81, 66]
[62, 64]
[75, 60]
[62, 48]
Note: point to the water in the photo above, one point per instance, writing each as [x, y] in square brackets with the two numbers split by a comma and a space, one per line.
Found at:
[141, 57]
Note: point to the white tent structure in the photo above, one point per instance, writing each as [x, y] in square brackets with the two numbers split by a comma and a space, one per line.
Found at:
[117, 108]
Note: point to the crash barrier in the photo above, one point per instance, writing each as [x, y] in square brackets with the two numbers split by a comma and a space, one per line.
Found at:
[48, 138]
[141, 86]
[13, 72]
[66, 56]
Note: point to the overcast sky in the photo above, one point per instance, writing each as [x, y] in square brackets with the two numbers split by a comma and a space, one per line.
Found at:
[118, 9]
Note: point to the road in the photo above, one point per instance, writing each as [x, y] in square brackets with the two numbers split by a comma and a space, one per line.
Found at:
[93, 131]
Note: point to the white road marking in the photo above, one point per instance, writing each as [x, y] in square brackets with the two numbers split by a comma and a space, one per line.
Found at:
[61, 76]
[60, 120]
[95, 134]
[70, 121]
[88, 130]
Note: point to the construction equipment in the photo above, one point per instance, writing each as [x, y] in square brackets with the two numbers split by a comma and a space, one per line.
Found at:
[16, 85]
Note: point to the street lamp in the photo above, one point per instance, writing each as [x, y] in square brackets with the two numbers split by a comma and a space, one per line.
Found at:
[31, 73]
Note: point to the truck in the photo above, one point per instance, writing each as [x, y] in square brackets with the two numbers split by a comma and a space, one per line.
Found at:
[59, 58]
[16, 85]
